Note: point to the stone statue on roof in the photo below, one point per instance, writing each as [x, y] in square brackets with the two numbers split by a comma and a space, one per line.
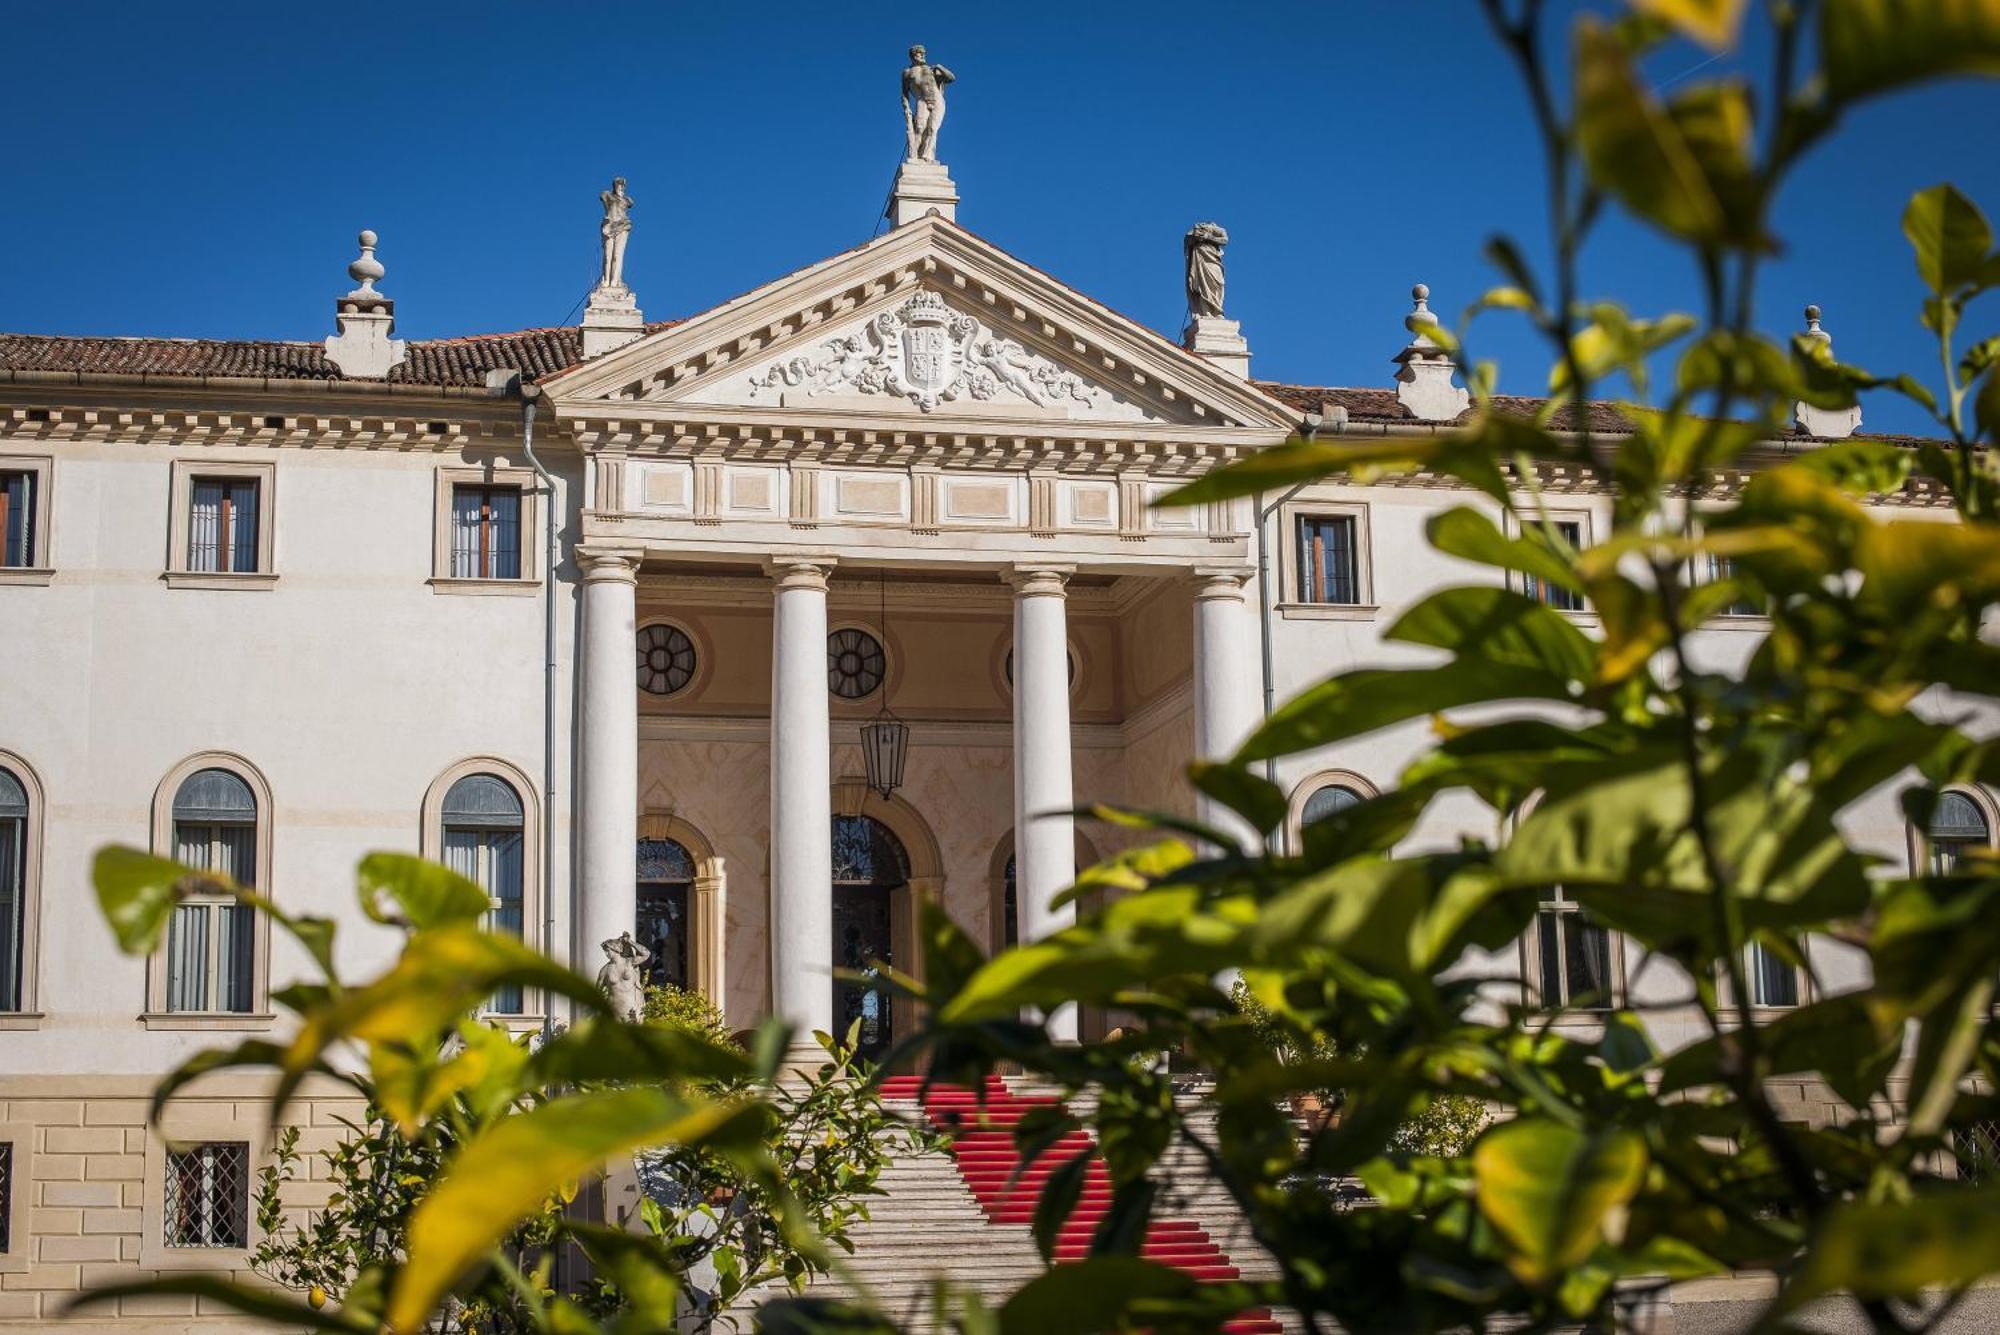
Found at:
[1203, 248]
[617, 229]
[923, 106]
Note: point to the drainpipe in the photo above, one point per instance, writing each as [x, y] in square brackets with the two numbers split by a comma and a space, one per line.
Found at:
[530, 397]
[1307, 429]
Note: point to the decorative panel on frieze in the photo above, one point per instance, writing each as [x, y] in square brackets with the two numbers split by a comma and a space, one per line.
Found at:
[984, 499]
[1087, 504]
[1170, 519]
[662, 488]
[754, 493]
[864, 495]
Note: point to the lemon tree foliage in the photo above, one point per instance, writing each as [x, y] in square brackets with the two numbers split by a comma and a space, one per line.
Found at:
[1690, 804]
[454, 1196]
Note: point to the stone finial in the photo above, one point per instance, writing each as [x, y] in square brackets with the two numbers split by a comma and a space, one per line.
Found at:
[1834, 423]
[365, 318]
[1423, 380]
[612, 318]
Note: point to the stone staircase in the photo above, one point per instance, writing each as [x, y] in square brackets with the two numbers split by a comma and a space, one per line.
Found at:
[964, 1217]
[927, 1227]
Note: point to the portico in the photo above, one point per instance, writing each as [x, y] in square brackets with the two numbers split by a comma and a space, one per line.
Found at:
[949, 459]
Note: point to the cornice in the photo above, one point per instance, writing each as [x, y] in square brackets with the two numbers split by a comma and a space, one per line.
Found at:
[277, 425]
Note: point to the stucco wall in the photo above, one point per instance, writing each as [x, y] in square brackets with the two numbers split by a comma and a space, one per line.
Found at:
[350, 685]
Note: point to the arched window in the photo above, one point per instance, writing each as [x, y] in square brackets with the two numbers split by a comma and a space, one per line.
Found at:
[484, 829]
[13, 889]
[211, 939]
[869, 863]
[665, 883]
[1956, 824]
[1327, 800]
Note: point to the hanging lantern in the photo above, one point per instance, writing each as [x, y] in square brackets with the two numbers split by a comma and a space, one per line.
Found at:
[885, 744]
[885, 739]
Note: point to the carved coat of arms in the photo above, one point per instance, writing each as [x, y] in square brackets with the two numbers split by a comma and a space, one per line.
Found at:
[928, 353]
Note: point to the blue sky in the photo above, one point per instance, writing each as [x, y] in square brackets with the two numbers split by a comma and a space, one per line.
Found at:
[202, 171]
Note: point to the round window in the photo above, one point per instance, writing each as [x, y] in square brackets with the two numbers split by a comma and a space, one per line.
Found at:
[853, 663]
[666, 659]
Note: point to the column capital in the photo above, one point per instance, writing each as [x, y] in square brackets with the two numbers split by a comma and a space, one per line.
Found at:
[602, 562]
[1221, 581]
[800, 572]
[1038, 581]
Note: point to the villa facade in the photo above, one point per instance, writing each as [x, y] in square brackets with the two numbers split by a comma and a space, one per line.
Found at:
[604, 616]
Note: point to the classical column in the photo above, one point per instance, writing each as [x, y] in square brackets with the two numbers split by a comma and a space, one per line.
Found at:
[706, 914]
[607, 814]
[1044, 830]
[801, 800]
[1226, 685]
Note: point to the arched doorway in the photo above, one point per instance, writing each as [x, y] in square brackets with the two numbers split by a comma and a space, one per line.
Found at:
[664, 880]
[870, 865]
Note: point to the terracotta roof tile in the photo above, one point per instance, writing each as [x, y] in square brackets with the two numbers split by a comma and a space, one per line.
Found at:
[442, 361]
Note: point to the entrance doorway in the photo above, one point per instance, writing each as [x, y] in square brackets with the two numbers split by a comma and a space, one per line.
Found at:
[869, 866]
[665, 883]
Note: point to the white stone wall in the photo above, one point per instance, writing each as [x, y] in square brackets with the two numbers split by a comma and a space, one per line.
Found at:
[350, 684]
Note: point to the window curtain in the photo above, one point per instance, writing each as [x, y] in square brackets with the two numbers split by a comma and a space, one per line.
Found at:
[465, 520]
[1773, 980]
[492, 859]
[486, 533]
[243, 526]
[13, 850]
[1327, 564]
[17, 503]
[205, 527]
[214, 943]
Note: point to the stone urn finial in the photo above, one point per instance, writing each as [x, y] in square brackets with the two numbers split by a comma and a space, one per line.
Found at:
[365, 268]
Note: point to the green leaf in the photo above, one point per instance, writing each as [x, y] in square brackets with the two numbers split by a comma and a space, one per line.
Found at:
[1259, 801]
[1938, 1240]
[1840, 1038]
[137, 893]
[1949, 235]
[1713, 23]
[427, 893]
[1631, 148]
[508, 1170]
[1498, 626]
[1122, 1231]
[1550, 1189]
[1060, 1192]
[1089, 1296]
[639, 1266]
[1872, 46]
[1370, 698]
[276, 1308]
[443, 974]
[1473, 536]
[602, 1048]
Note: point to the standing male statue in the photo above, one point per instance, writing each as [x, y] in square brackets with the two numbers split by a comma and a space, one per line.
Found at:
[617, 229]
[1203, 248]
[923, 106]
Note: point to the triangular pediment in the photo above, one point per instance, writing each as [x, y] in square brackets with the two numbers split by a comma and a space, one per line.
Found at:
[928, 322]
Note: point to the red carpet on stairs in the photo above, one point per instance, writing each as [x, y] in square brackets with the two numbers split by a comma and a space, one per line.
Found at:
[981, 1126]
